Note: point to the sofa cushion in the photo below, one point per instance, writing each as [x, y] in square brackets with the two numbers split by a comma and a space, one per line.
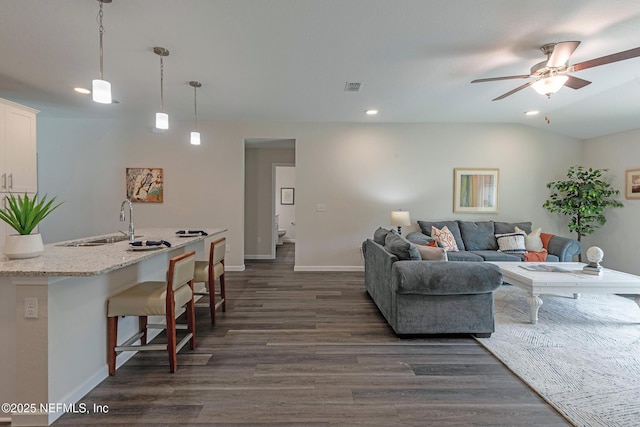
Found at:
[421, 239]
[478, 235]
[464, 256]
[511, 243]
[401, 247]
[498, 256]
[430, 253]
[510, 227]
[441, 279]
[532, 241]
[379, 235]
[425, 227]
[445, 238]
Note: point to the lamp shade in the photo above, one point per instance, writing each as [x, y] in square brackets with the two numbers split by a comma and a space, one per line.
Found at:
[101, 91]
[550, 84]
[400, 218]
[162, 120]
[195, 138]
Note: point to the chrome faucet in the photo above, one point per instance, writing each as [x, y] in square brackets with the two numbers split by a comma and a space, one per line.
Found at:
[122, 218]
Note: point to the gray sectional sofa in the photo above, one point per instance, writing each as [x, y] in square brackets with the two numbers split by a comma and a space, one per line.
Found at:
[429, 297]
[440, 297]
[477, 242]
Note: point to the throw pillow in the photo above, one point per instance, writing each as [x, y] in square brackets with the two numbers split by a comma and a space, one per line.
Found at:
[511, 243]
[445, 237]
[532, 241]
[430, 253]
[401, 247]
[379, 235]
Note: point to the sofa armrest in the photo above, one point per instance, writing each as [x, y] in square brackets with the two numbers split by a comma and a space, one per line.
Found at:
[445, 278]
[564, 248]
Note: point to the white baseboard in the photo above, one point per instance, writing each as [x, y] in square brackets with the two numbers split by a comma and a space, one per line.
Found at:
[234, 267]
[338, 268]
[260, 257]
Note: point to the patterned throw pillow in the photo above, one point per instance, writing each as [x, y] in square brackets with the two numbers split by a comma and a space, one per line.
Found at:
[511, 243]
[532, 241]
[445, 238]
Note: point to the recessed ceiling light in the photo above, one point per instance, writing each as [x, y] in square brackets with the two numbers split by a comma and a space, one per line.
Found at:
[531, 113]
[371, 112]
[82, 90]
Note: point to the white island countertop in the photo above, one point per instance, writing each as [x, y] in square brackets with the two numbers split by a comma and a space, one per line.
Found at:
[61, 260]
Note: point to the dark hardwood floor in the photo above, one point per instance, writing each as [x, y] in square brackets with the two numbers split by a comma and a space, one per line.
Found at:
[311, 349]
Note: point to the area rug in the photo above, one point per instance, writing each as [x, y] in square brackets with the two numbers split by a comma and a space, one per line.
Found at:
[582, 357]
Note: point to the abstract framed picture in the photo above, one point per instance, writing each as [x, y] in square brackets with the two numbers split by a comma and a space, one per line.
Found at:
[475, 190]
[632, 184]
[286, 196]
[145, 185]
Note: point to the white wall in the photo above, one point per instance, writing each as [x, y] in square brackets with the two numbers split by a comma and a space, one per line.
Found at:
[619, 237]
[360, 172]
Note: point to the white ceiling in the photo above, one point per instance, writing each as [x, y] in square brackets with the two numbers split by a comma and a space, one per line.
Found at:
[289, 60]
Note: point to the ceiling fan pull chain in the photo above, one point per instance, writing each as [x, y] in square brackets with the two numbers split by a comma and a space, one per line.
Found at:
[546, 110]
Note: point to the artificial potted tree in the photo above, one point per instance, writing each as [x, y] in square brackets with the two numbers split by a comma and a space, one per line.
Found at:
[23, 214]
[583, 197]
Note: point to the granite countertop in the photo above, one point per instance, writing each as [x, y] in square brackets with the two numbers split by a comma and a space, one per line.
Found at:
[60, 260]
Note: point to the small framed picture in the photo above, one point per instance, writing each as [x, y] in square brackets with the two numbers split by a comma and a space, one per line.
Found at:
[632, 184]
[475, 190]
[286, 196]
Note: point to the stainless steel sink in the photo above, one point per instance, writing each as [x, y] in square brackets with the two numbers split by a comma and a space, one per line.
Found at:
[97, 242]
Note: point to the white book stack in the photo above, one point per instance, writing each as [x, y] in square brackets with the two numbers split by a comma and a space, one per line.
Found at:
[594, 270]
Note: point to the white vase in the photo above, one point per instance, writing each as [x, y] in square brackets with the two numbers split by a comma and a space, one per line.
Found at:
[17, 246]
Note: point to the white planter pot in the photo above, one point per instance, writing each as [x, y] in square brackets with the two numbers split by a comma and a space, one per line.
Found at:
[18, 246]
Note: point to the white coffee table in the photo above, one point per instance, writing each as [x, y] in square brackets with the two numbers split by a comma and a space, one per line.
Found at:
[573, 281]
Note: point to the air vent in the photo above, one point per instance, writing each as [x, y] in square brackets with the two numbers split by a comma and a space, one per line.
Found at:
[352, 86]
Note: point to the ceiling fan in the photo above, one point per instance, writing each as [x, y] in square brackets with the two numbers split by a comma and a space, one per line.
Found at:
[550, 75]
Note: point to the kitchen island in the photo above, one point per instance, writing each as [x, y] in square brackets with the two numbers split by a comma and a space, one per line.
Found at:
[53, 324]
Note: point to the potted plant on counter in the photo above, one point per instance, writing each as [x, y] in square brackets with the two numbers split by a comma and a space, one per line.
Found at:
[23, 214]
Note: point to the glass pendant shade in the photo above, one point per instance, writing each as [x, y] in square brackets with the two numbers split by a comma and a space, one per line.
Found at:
[162, 121]
[195, 138]
[101, 90]
[549, 85]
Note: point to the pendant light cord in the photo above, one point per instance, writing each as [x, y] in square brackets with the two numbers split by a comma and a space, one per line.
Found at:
[161, 85]
[101, 29]
[195, 107]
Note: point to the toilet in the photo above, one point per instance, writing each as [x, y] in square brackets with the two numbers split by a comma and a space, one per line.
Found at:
[281, 234]
[281, 231]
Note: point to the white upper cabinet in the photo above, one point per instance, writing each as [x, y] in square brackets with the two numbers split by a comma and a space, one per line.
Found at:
[18, 155]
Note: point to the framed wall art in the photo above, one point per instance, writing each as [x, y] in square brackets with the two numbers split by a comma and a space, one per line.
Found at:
[286, 196]
[475, 190]
[145, 185]
[632, 187]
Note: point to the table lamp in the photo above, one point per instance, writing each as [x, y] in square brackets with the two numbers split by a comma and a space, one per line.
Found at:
[400, 218]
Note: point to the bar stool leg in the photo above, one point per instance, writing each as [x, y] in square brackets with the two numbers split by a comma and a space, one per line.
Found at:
[223, 292]
[142, 325]
[112, 339]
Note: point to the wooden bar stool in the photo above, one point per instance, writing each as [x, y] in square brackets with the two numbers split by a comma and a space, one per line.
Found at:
[209, 272]
[155, 299]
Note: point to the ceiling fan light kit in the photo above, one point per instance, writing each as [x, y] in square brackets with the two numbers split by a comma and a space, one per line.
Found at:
[551, 75]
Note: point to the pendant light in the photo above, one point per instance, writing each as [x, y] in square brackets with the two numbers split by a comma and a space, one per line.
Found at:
[162, 118]
[195, 135]
[100, 87]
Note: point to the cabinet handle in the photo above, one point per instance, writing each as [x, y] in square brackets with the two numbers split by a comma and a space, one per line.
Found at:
[4, 181]
[10, 181]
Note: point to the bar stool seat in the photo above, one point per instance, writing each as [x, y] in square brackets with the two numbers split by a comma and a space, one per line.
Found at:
[155, 298]
[208, 272]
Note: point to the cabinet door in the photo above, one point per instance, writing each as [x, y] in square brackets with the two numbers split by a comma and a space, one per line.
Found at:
[20, 164]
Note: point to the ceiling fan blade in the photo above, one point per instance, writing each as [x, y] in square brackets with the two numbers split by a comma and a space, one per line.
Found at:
[561, 53]
[576, 83]
[493, 79]
[608, 59]
[511, 92]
